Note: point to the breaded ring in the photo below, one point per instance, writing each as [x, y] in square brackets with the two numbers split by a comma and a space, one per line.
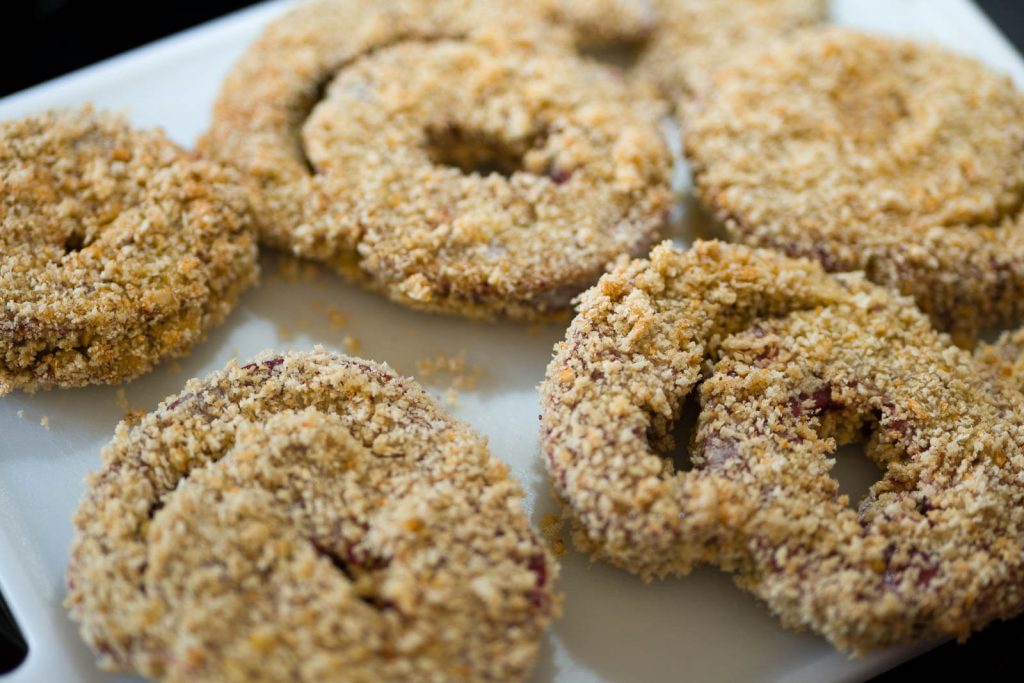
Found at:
[473, 176]
[876, 154]
[794, 362]
[484, 182]
[307, 516]
[117, 249]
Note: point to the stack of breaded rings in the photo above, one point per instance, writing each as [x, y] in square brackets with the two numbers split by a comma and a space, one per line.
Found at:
[312, 516]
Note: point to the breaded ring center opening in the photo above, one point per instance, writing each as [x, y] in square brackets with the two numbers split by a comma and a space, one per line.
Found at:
[475, 152]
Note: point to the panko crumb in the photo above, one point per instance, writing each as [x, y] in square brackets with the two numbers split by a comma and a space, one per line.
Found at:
[551, 530]
[352, 345]
[131, 415]
[451, 370]
[121, 400]
[451, 397]
[288, 332]
[295, 270]
[336, 318]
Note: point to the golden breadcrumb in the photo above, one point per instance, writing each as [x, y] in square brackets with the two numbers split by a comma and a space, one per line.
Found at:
[479, 174]
[117, 249]
[307, 516]
[789, 364]
[876, 154]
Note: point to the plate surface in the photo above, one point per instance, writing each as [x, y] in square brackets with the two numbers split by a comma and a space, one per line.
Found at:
[615, 628]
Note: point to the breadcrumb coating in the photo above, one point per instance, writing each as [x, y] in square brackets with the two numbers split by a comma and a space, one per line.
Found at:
[1004, 358]
[117, 249]
[434, 152]
[599, 23]
[270, 91]
[668, 48]
[570, 176]
[307, 516]
[789, 364]
[693, 38]
[876, 154]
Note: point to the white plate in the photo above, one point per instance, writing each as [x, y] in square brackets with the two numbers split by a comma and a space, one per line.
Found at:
[615, 628]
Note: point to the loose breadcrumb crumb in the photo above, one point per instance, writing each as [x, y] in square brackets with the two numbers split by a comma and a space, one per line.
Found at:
[352, 345]
[551, 530]
[121, 400]
[336, 318]
[295, 270]
[441, 369]
[288, 332]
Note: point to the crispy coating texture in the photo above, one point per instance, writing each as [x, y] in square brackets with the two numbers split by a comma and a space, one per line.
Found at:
[117, 249]
[307, 516]
[1004, 358]
[270, 91]
[693, 38]
[669, 48]
[876, 154]
[599, 23]
[481, 176]
[482, 182]
[789, 363]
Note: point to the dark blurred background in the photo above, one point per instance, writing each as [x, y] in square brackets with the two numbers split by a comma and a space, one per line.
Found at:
[46, 38]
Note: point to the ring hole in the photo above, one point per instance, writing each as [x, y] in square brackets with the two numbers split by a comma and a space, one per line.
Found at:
[855, 472]
[74, 241]
[352, 572]
[677, 446]
[473, 153]
[13, 648]
[622, 55]
[857, 467]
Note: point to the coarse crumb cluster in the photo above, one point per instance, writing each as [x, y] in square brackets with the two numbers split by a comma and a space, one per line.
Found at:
[789, 363]
[1004, 358]
[303, 515]
[438, 154]
[439, 369]
[117, 249]
[876, 154]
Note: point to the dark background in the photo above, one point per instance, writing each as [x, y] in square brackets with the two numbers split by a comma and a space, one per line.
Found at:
[46, 38]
